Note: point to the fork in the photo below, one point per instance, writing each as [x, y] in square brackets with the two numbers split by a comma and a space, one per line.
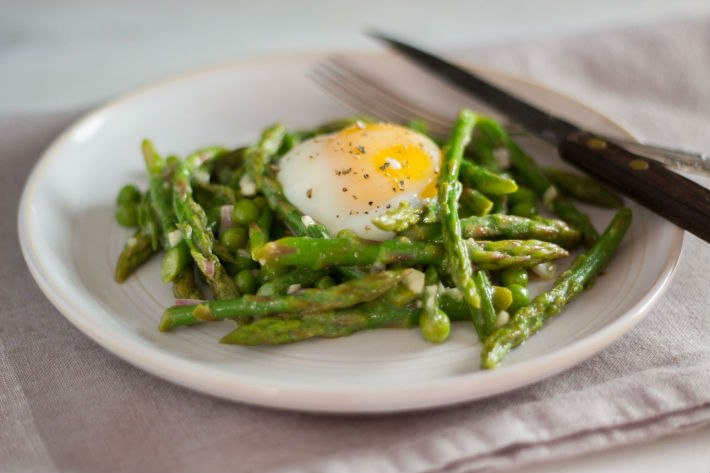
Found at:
[363, 94]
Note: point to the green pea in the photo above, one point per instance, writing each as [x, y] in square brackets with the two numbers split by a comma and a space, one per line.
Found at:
[502, 298]
[244, 212]
[325, 282]
[234, 238]
[129, 194]
[520, 297]
[127, 215]
[435, 326]
[246, 282]
[524, 209]
[517, 276]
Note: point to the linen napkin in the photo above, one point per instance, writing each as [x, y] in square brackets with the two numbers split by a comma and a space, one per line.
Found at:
[67, 405]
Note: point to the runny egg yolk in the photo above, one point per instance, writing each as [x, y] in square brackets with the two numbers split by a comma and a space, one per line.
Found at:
[344, 179]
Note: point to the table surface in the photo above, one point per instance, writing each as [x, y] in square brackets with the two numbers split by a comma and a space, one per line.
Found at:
[58, 55]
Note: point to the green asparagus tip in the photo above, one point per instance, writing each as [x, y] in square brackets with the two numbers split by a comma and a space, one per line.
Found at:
[152, 159]
[165, 323]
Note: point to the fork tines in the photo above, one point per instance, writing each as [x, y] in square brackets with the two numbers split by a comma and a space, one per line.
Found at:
[364, 95]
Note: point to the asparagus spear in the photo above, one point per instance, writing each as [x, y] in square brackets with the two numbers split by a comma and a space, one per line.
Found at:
[474, 202]
[399, 218]
[529, 319]
[259, 230]
[277, 330]
[485, 180]
[550, 196]
[160, 193]
[148, 221]
[376, 314]
[257, 162]
[302, 276]
[486, 142]
[317, 253]
[485, 291]
[219, 194]
[584, 188]
[421, 224]
[502, 226]
[347, 294]
[185, 286]
[457, 252]
[331, 127]
[433, 322]
[534, 177]
[192, 222]
[137, 250]
[177, 254]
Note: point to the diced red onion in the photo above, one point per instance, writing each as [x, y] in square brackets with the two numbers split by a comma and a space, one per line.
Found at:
[225, 217]
[188, 301]
[209, 268]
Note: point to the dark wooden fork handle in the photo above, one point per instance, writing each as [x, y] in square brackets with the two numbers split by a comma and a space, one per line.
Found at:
[654, 186]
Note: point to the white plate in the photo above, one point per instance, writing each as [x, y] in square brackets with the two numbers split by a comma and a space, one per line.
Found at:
[70, 242]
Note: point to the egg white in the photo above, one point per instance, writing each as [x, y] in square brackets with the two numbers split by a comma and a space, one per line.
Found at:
[344, 179]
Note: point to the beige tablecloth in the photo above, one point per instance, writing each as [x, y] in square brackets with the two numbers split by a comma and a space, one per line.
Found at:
[68, 405]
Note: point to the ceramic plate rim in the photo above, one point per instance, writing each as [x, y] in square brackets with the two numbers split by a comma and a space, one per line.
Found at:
[197, 376]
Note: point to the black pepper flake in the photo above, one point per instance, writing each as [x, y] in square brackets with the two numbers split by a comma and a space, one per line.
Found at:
[345, 189]
[385, 166]
[370, 203]
[309, 193]
[368, 228]
[341, 172]
[388, 206]
[361, 149]
[366, 176]
[401, 185]
[354, 197]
